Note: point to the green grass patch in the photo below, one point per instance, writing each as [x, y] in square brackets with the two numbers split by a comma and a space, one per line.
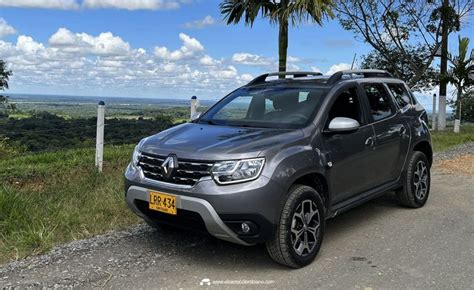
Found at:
[19, 115]
[51, 198]
[446, 139]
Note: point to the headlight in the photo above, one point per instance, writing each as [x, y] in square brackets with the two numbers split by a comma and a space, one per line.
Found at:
[227, 172]
[137, 152]
[136, 156]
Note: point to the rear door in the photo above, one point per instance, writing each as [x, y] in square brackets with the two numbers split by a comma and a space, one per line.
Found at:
[391, 133]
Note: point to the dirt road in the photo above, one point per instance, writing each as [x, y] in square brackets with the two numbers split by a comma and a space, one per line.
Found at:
[376, 245]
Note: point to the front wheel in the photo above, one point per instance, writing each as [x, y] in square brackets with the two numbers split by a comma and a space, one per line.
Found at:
[300, 231]
[416, 188]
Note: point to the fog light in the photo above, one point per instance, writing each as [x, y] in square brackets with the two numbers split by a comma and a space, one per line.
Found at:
[245, 228]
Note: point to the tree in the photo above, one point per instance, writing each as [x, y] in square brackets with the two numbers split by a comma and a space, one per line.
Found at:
[394, 28]
[400, 67]
[467, 113]
[4, 77]
[280, 12]
[458, 74]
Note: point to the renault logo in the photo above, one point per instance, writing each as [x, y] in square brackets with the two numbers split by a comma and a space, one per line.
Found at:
[169, 166]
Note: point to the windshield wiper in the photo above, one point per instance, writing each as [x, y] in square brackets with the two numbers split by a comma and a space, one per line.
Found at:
[210, 122]
[248, 126]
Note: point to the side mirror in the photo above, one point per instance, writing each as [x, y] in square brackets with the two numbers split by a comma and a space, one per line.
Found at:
[196, 115]
[343, 124]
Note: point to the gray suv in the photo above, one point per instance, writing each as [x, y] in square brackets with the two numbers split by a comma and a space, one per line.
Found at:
[276, 158]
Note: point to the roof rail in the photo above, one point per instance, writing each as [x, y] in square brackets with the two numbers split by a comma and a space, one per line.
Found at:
[367, 73]
[295, 74]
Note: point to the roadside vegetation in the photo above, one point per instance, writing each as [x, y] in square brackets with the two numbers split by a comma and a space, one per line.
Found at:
[47, 132]
[443, 140]
[51, 198]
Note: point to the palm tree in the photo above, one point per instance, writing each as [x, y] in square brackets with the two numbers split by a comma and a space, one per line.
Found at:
[458, 74]
[281, 12]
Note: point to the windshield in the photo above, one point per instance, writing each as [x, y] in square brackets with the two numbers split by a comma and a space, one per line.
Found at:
[267, 107]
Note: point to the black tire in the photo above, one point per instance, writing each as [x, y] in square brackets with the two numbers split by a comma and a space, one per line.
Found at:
[282, 247]
[410, 194]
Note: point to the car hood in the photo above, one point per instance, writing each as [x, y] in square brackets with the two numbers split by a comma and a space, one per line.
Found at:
[215, 142]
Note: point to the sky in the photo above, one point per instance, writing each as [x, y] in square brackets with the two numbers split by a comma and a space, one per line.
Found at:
[155, 48]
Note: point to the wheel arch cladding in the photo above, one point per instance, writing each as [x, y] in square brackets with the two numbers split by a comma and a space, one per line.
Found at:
[319, 183]
[425, 147]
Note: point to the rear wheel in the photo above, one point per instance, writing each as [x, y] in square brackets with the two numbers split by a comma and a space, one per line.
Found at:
[300, 231]
[414, 193]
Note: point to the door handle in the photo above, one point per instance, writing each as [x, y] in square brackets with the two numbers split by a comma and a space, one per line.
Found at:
[403, 131]
[369, 141]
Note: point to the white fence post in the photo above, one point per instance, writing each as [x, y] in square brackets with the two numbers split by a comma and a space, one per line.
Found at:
[433, 114]
[442, 113]
[99, 147]
[457, 125]
[194, 103]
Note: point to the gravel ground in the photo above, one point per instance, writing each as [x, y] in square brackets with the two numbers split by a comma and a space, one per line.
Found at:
[377, 245]
[466, 148]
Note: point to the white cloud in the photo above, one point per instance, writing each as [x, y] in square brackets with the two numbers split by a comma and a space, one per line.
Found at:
[103, 44]
[251, 59]
[81, 63]
[190, 47]
[131, 4]
[292, 59]
[338, 67]
[228, 73]
[27, 45]
[190, 44]
[201, 23]
[5, 28]
[208, 60]
[47, 4]
[246, 77]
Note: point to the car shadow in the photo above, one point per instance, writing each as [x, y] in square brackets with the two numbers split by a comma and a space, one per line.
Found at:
[213, 254]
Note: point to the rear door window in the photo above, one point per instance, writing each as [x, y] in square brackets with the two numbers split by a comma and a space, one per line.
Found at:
[400, 94]
[379, 101]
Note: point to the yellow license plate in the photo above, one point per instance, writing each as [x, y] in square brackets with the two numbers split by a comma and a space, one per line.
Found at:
[162, 202]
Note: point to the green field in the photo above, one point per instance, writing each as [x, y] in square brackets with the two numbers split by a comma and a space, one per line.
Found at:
[51, 198]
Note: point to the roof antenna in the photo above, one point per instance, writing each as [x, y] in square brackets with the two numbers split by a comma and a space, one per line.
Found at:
[353, 60]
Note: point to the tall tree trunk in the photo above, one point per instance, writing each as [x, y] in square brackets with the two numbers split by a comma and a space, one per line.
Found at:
[459, 103]
[443, 66]
[282, 45]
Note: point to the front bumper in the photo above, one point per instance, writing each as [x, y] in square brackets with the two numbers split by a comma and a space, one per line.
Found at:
[214, 225]
[219, 206]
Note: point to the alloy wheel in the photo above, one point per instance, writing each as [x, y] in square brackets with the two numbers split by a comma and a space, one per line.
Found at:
[420, 180]
[305, 227]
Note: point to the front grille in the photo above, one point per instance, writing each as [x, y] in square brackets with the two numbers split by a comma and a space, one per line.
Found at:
[188, 172]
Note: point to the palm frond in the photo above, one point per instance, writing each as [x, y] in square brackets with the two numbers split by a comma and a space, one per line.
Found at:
[300, 11]
[234, 10]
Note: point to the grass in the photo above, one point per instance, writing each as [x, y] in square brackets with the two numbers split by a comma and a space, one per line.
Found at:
[19, 115]
[51, 198]
[446, 139]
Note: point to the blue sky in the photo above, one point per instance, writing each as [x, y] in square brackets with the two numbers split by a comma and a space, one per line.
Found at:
[153, 48]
